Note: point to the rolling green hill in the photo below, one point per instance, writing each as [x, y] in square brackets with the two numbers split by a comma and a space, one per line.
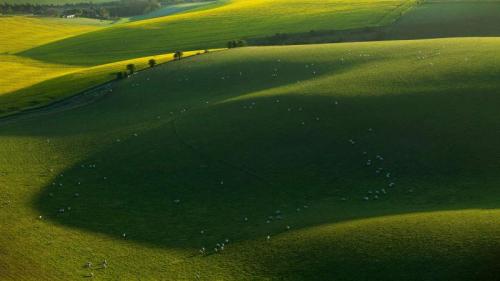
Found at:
[350, 161]
[275, 149]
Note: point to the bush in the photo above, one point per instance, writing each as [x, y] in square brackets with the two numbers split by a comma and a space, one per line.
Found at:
[152, 63]
[236, 43]
[131, 68]
[178, 55]
[121, 75]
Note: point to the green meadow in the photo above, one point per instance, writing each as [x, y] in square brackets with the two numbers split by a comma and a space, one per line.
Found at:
[347, 161]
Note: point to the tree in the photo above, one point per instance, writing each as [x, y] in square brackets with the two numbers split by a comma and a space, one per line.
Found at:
[131, 68]
[241, 43]
[178, 55]
[236, 43]
[152, 63]
[120, 75]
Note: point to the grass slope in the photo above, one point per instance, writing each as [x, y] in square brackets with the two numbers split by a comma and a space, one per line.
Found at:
[236, 20]
[250, 131]
[48, 83]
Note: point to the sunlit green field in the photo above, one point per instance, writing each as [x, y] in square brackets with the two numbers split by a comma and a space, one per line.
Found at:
[177, 157]
[212, 28]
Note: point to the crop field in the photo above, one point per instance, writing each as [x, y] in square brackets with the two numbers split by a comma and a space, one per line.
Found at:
[350, 161]
[235, 20]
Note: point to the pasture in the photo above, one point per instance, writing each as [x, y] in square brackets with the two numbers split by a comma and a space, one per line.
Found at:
[349, 161]
[362, 161]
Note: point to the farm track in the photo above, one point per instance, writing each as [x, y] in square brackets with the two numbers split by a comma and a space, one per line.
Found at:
[81, 99]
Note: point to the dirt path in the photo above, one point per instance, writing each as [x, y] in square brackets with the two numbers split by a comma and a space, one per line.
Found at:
[83, 98]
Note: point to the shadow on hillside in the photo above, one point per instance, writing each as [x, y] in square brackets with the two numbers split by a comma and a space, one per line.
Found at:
[206, 167]
[170, 88]
[211, 168]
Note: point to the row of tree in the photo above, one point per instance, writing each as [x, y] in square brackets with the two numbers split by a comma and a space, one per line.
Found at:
[110, 10]
[236, 43]
[131, 68]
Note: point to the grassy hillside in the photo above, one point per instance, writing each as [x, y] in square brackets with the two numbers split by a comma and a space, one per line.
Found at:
[177, 157]
[212, 28]
[43, 83]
